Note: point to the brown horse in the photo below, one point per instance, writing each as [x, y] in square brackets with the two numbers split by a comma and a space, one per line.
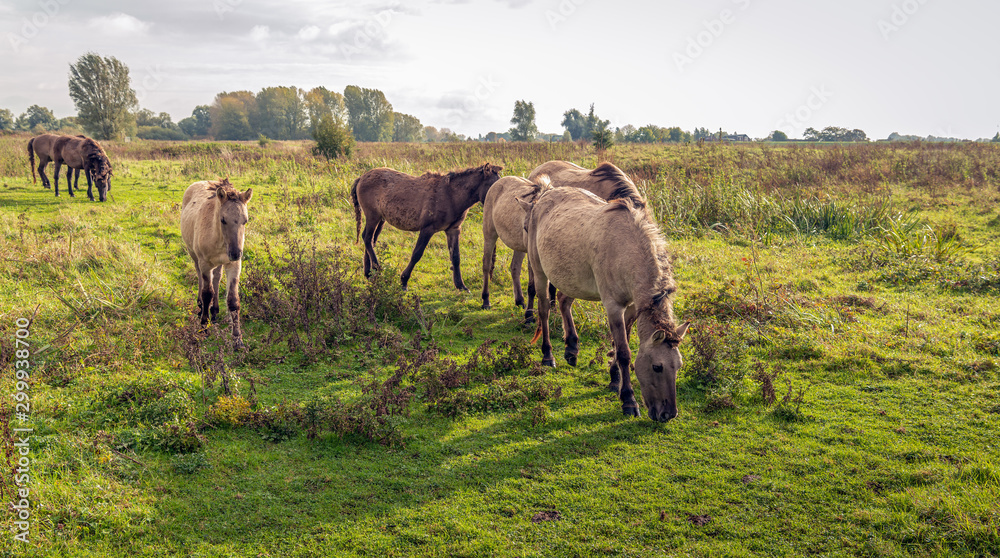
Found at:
[428, 204]
[611, 252]
[213, 220]
[83, 153]
[503, 216]
[607, 180]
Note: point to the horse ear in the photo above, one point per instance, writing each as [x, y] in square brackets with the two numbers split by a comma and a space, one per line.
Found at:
[245, 196]
[681, 330]
[659, 336]
[221, 194]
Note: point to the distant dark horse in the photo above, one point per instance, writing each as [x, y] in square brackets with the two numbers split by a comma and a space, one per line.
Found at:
[428, 204]
[77, 153]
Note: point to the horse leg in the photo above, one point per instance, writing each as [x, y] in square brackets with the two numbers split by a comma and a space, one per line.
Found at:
[529, 315]
[418, 252]
[90, 184]
[569, 329]
[368, 237]
[543, 319]
[69, 182]
[41, 172]
[516, 261]
[205, 293]
[489, 259]
[233, 300]
[55, 175]
[623, 358]
[216, 279]
[454, 239]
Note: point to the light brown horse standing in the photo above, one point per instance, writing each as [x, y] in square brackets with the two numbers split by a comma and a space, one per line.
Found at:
[611, 252]
[429, 203]
[503, 218]
[606, 181]
[213, 220]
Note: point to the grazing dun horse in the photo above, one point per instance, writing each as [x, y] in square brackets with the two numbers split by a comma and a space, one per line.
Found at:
[213, 220]
[611, 252]
[428, 204]
[504, 218]
[45, 147]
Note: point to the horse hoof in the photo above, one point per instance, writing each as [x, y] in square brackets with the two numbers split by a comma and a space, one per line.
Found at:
[570, 359]
[529, 319]
[549, 362]
[486, 306]
[519, 303]
[630, 411]
[614, 387]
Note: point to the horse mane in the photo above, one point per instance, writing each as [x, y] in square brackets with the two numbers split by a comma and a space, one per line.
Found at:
[659, 307]
[624, 188]
[97, 156]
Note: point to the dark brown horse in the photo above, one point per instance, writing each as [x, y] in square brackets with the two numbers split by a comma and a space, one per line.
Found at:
[83, 153]
[428, 204]
[78, 153]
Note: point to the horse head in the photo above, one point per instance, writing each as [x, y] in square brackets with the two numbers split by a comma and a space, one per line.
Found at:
[489, 175]
[233, 217]
[658, 360]
[100, 171]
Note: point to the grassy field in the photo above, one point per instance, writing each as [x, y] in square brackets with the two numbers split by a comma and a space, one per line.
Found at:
[840, 394]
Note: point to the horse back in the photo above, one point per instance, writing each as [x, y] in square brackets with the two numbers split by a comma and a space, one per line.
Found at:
[197, 213]
[406, 202]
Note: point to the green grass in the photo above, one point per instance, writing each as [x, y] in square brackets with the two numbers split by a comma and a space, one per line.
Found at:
[862, 279]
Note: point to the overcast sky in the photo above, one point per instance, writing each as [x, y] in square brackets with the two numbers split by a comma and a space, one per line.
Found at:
[925, 67]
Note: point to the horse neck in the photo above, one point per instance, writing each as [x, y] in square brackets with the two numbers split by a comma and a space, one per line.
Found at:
[466, 189]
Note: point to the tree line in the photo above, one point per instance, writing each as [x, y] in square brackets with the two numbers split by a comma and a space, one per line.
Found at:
[108, 108]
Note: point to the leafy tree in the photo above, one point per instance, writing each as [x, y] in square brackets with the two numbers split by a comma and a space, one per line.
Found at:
[492, 137]
[320, 101]
[6, 120]
[199, 123]
[36, 119]
[700, 133]
[369, 114]
[575, 123]
[811, 134]
[778, 135]
[996, 138]
[281, 113]
[333, 138]
[524, 122]
[104, 99]
[231, 114]
[593, 123]
[676, 135]
[603, 136]
[406, 128]
[567, 137]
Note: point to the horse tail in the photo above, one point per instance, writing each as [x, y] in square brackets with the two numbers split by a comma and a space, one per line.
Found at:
[357, 209]
[538, 333]
[31, 160]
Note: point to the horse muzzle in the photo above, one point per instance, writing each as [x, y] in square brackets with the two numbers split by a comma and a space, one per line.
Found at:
[235, 255]
[662, 413]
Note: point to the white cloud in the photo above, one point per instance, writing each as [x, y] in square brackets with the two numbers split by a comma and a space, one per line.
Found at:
[260, 32]
[308, 33]
[119, 24]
